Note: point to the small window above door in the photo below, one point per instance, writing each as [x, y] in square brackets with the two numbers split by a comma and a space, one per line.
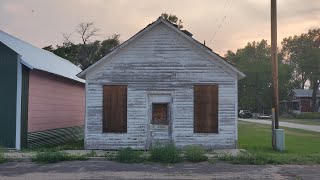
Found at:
[160, 113]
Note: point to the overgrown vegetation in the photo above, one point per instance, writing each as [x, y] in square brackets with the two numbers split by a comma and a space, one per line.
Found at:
[57, 156]
[2, 158]
[167, 153]
[128, 155]
[195, 154]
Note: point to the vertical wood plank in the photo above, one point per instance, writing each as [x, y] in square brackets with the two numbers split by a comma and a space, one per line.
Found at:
[206, 109]
[115, 108]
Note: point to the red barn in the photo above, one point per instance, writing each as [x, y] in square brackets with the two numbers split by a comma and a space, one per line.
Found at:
[41, 99]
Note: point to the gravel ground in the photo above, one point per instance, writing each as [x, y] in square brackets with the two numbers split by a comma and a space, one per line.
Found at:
[101, 169]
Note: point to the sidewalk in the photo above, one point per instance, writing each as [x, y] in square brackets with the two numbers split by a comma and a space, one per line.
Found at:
[285, 124]
[100, 154]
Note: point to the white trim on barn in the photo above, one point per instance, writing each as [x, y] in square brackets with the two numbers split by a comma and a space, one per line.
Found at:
[86, 117]
[18, 103]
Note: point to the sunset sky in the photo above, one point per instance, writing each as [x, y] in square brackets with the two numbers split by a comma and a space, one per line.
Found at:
[42, 22]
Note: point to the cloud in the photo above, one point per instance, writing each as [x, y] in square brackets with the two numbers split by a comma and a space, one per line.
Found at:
[247, 20]
[13, 8]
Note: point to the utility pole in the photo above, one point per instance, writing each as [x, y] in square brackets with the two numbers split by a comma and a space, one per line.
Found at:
[275, 85]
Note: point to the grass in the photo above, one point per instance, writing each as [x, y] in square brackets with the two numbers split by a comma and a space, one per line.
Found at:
[195, 154]
[128, 155]
[167, 153]
[302, 147]
[56, 156]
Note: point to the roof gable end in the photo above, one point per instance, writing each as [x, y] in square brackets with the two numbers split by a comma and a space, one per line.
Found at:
[200, 46]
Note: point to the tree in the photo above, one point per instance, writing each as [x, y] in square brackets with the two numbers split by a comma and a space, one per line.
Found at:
[303, 54]
[254, 60]
[88, 51]
[173, 19]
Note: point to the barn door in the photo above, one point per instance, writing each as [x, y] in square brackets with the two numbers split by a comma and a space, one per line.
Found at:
[160, 121]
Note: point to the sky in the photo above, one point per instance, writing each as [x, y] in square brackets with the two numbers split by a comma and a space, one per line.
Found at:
[223, 24]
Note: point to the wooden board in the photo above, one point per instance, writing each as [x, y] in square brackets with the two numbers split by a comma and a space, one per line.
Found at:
[206, 109]
[160, 113]
[115, 108]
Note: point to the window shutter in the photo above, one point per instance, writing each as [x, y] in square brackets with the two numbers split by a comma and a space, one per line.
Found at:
[206, 109]
[115, 108]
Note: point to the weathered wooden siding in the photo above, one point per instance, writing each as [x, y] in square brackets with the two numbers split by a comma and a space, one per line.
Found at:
[54, 102]
[161, 61]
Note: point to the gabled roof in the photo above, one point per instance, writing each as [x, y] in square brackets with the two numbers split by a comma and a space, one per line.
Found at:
[304, 93]
[172, 26]
[36, 58]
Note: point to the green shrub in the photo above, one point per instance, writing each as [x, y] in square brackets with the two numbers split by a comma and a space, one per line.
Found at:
[195, 154]
[311, 115]
[56, 156]
[2, 158]
[270, 158]
[165, 153]
[110, 155]
[128, 155]
[245, 158]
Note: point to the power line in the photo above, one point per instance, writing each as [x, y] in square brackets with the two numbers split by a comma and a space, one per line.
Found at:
[220, 14]
[222, 20]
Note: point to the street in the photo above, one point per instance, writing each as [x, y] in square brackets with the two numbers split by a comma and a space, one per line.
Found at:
[285, 124]
[101, 169]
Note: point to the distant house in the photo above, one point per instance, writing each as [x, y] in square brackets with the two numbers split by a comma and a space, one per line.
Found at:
[161, 86]
[300, 101]
[41, 98]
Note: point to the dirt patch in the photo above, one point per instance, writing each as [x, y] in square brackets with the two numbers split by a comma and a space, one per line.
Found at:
[113, 170]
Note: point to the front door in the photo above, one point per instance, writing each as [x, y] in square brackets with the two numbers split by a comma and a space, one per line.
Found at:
[160, 122]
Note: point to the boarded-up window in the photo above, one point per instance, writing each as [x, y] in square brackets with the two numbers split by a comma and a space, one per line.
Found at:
[160, 114]
[115, 108]
[206, 109]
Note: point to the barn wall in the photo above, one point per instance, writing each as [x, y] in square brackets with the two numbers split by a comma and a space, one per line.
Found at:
[160, 61]
[54, 102]
[8, 96]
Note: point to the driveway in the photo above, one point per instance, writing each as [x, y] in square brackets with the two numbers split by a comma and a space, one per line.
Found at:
[98, 169]
[285, 124]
